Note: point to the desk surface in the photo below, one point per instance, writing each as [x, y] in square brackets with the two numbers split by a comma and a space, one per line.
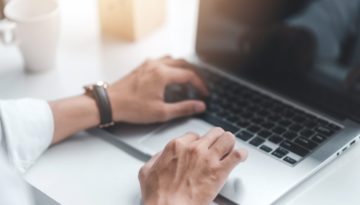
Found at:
[88, 170]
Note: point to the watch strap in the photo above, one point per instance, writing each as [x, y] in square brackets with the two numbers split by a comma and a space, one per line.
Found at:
[103, 102]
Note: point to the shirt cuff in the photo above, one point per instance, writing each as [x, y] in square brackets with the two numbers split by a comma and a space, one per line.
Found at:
[27, 129]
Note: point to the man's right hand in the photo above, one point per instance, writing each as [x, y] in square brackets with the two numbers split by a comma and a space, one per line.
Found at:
[139, 97]
[191, 169]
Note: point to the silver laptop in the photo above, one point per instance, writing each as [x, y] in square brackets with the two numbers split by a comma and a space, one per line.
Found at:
[279, 81]
[40, 198]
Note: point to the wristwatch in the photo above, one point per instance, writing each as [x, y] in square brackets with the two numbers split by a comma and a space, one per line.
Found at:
[99, 92]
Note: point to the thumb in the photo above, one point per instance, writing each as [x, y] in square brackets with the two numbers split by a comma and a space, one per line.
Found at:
[184, 108]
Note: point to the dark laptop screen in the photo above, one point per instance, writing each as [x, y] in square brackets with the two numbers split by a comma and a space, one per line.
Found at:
[305, 49]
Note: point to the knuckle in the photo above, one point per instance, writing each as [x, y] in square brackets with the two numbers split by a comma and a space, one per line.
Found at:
[212, 164]
[171, 145]
[142, 172]
[159, 73]
[237, 155]
[175, 145]
[182, 61]
[148, 62]
[218, 130]
[153, 66]
[162, 113]
[168, 56]
[193, 134]
[229, 137]
[194, 150]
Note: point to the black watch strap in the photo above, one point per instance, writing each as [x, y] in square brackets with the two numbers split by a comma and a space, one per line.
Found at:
[101, 97]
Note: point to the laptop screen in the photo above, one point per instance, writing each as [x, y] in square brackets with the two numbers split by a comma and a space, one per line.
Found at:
[307, 50]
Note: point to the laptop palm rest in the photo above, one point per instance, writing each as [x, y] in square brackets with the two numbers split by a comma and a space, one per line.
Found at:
[158, 139]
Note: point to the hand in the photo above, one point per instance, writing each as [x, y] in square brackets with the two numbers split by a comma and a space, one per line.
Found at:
[191, 169]
[139, 97]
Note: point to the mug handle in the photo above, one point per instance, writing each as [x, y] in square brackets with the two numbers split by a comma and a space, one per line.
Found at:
[7, 28]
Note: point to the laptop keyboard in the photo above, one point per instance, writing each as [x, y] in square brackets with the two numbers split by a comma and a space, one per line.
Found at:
[278, 129]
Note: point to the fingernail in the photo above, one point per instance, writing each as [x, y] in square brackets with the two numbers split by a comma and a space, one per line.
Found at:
[199, 107]
[244, 154]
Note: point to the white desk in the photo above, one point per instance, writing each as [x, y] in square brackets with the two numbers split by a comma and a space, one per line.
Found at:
[87, 170]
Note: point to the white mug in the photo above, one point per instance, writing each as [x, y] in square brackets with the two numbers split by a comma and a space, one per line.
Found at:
[34, 26]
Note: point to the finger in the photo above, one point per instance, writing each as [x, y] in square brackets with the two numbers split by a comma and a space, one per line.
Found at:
[183, 64]
[180, 63]
[183, 109]
[153, 159]
[166, 58]
[188, 138]
[234, 158]
[223, 145]
[181, 76]
[210, 138]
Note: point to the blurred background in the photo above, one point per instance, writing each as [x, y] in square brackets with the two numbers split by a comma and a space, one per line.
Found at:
[83, 48]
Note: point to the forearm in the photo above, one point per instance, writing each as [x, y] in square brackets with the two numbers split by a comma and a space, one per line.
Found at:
[73, 115]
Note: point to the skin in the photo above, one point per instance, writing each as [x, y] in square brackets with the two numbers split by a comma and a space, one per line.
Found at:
[137, 98]
[190, 170]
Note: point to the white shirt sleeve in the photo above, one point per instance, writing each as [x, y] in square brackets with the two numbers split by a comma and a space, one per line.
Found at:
[26, 130]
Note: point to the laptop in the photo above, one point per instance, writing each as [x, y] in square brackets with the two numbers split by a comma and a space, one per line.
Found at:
[40, 198]
[281, 80]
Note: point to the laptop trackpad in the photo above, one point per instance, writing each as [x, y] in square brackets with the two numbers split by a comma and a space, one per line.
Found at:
[157, 140]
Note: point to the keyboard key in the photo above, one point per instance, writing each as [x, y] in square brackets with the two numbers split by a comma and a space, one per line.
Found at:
[219, 123]
[233, 107]
[244, 135]
[299, 119]
[257, 141]
[323, 122]
[296, 127]
[307, 133]
[290, 135]
[264, 134]
[290, 160]
[247, 115]
[310, 124]
[220, 112]
[279, 130]
[276, 139]
[308, 144]
[231, 118]
[280, 152]
[334, 127]
[254, 128]
[285, 123]
[318, 139]
[253, 108]
[263, 113]
[266, 148]
[289, 113]
[274, 118]
[324, 131]
[242, 123]
[257, 120]
[294, 148]
[268, 125]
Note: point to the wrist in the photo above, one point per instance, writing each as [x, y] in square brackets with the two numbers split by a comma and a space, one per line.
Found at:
[100, 94]
[73, 115]
[90, 110]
